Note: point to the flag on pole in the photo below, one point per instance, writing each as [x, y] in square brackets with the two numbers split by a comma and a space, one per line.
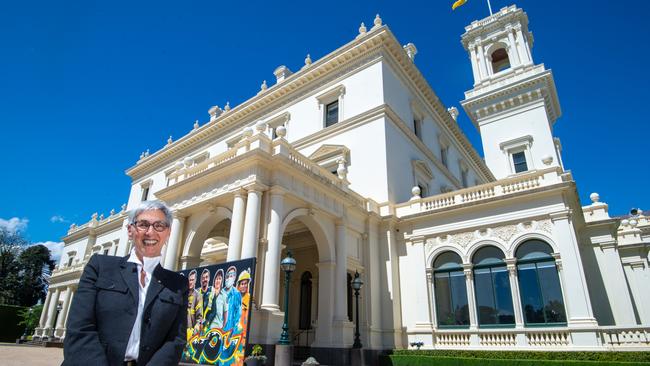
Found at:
[458, 3]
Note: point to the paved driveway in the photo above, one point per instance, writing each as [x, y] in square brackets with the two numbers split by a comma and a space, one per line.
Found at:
[15, 355]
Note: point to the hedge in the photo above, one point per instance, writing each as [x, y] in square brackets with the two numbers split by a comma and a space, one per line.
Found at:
[10, 330]
[533, 355]
[420, 360]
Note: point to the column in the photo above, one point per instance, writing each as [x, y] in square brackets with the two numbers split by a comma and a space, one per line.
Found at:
[51, 313]
[514, 290]
[639, 287]
[471, 299]
[514, 52]
[236, 226]
[340, 309]
[432, 298]
[251, 225]
[482, 65]
[576, 294]
[64, 311]
[474, 62]
[614, 277]
[171, 254]
[374, 288]
[521, 47]
[65, 324]
[325, 304]
[123, 246]
[270, 291]
[415, 306]
[46, 305]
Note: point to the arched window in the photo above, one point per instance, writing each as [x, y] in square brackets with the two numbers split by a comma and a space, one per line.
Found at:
[492, 288]
[305, 301]
[539, 284]
[500, 60]
[450, 291]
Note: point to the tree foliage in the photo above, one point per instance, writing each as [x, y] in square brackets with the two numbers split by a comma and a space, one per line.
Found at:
[30, 317]
[22, 270]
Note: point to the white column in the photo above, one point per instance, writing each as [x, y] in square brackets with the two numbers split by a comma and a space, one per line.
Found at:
[613, 278]
[374, 288]
[415, 306]
[325, 304]
[340, 309]
[51, 314]
[123, 245]
[270, 293]
[514, 289]
[474, 62]
[482, 64]
[514, 52]
[73, 290]
[471, 299]
[521, 46]
[64, 309]
[431, 288]
[578, 303]
[45, 310]
[236, 226]
[639, 287]
[171, 254]
[251, 225]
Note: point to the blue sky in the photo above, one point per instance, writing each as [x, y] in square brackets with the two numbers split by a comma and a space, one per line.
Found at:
[86, 86]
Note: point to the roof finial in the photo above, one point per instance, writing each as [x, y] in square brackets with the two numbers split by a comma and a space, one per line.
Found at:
[196, 124]
[377, 22]
[307, 60]
[227, 107]
[362, 30]
[263, 87]
[169, 140]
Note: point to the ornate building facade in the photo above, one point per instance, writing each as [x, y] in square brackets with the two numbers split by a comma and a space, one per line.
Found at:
[354, 164]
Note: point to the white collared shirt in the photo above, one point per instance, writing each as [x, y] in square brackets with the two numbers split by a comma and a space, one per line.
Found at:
[150, 263]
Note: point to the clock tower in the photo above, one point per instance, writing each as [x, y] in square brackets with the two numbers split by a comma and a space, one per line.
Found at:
[514, 103]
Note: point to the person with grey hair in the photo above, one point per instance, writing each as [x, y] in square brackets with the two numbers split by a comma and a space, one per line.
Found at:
[129, 310]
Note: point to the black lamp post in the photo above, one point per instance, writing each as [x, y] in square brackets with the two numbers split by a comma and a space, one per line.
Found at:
[357, 283]
[288, 265]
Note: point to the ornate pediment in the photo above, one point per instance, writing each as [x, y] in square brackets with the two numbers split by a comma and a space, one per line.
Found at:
[328, 153]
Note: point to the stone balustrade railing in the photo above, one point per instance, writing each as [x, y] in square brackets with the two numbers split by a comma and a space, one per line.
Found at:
[79, 266]
[551, 338]
[493, 190]
[94, 222]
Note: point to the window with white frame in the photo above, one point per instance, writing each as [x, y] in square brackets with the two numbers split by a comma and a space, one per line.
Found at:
[275, 122]
[331, 156]
[71, 256]
[145, 187]
[463, 176]
[422, 176]
[517, 152]
[444, 150]
[417, 127]
[330, 104]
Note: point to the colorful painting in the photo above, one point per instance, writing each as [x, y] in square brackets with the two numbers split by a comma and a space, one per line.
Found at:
[218, 312]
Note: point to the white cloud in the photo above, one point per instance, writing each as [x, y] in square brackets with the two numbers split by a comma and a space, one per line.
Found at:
[56, 248]
[14, 224]
[58, 218]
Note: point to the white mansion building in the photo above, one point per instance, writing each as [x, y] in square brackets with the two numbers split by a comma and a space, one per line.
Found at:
[354, 164]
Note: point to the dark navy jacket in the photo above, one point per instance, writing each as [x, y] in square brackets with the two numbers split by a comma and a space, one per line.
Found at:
[104, 308]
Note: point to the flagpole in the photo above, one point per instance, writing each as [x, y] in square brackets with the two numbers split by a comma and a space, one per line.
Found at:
[489, 6]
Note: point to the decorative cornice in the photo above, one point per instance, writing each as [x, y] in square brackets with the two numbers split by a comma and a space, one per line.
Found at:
[374, 41]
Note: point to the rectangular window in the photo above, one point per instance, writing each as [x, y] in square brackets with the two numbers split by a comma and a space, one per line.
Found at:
[417, 128]
[519, 162]
[451, 299]
[145, 193]
[463, 177]
[106, 251]
[332, 113]
[443, 155]
[70, 261]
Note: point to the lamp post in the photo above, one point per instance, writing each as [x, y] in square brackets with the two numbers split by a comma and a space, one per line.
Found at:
[357, 283]
[288, 265]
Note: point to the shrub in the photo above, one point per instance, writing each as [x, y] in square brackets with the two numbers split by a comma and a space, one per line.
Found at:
[420, 360]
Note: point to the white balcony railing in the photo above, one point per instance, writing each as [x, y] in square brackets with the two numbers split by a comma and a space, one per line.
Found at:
[498, 189]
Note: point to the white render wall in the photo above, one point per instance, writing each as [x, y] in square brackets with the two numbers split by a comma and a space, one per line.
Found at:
[528, 120]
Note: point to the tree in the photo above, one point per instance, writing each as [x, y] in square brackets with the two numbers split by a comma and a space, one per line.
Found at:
[33, 284]
[11, 244]
[22, 270]
[30, 317]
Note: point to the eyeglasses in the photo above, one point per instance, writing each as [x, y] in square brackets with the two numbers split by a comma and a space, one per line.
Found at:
[159, 226]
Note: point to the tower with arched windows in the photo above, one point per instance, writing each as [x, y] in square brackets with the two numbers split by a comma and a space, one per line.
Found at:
[514, 103]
